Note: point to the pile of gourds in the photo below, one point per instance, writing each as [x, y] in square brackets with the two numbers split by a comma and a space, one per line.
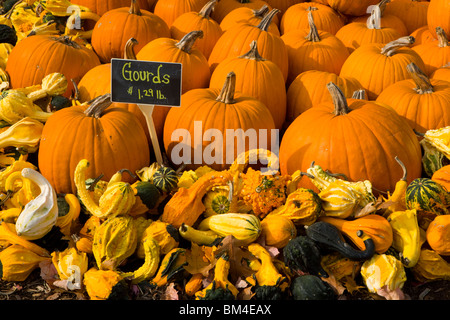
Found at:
[359, 197]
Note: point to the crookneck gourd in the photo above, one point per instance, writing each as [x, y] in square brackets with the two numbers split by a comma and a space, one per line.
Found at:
[117, 199]
[15, 105]
[114, 241]
[327, 235]
[40, 214]
[25, 135]
[19, 190]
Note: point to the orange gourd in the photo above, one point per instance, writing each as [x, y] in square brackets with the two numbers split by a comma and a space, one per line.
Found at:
[442, 176]
[325, 18]
[115, 27]
[257, 77]
[438, 234]
[110, 138]
[310, 49]
[373, 225]
[423, 102]
[198, 20]
[354, 138]
[277, 231]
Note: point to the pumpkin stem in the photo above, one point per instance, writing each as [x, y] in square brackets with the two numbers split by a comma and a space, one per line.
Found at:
[391, 48]
[382, 6]
[374, 21]
[129, 53]
[205, 12]
[134, 8]
[339, 100]
[260, 13]
[76, 93]
[253, 53]
[405, 172]
[267, 20]
[421, 79]
[188, 40]
[359, 94]
[98, 105]
[442, 37]
[66, 39]
[313, 34]
[311, 9]
[227, 93]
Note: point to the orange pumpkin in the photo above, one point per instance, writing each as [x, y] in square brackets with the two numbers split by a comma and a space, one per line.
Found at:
[442, 176]
[325, 18]
[215, 110]
[224, 7]
[423, 102]
[256, 77]
[355, 34]
[116, 26]
[422, 35]
[34, 57]
[442, 73]
[351, 7]
[354, 138]
[413, 13]
[376, 66]
[386, 19]
[283, 5]
[434, 54]
[101, 6]
[438, 16]
[169, 10]
[236, 41]
[309, 89]
[196, 72]
[110, 138]
[250, 16]
[201, 20]
[310, 49]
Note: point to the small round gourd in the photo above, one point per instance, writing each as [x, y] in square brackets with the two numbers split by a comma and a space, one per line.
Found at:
[165, 179]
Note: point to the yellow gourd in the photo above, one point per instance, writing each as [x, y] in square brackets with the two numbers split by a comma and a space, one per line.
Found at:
[103, 284]
[151, 262]
[15, 105]
[431, 266]
[163, 233]
[71, 266]
[8, 234]
[18, 262]
[277, 230]
[66, 221]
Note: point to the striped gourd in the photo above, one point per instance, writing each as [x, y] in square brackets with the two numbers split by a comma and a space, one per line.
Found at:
[339, 200]
[426, 194]
[165, 179]
[243, 226]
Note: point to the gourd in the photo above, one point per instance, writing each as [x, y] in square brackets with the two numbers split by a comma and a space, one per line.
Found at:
[426, 194]
[339, 200]
[268, 283]
[406, 236]
[163, 233]
[246, 228]
[40, 214]
[8, 234]
[383, 274]
[218, 200]
[431, 266]
[71, 266]
[19, 190]
[220, 288]
[311, 287]
[165, 179]
[17, 262]
[15, 105]
[200, 237]
[67, 219]
[436, 149]
[194, 284]
[151, 262]
[147, 192]
[7, 34]
[327, 235]
[186, 205]
[277, 230]
[438, 235]
[303, 207]
[114, 241]
[105, 285]
[171, 266]
[302, 255]
[399, 193]
[442, 176]
[117, 199]
[25, 135]
[373, 225]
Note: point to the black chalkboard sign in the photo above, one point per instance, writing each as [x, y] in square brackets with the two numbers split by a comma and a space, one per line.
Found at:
[146, 82]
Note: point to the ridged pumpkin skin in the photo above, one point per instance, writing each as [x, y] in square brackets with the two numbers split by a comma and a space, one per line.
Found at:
[325, 18]
[358, 144]
[196, 72]
[35, 57]
[169, 10]
[102, 6]
[226, 6]
[426, 194]
[248, 15]
[256, 77]
[351, 7]
[365, 64]
[115, 27]
[112, 142]
[437, 16]
[435, 54]
[236, 41]
[412, 13]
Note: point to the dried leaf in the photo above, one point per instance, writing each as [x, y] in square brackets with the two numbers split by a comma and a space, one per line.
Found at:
[335, 284]
[171, 293]
[199, 261]
[389, 294]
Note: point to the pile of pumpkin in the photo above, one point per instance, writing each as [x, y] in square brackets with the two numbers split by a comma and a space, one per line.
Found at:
[360, 91]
